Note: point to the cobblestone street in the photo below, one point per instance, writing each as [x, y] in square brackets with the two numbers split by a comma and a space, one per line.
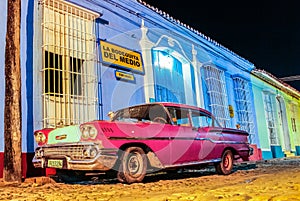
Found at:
[265, 180]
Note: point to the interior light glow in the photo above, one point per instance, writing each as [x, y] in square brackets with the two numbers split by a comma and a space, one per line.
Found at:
[165, 61]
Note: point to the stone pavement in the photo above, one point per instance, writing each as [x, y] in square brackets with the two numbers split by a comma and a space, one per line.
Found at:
[271, 180]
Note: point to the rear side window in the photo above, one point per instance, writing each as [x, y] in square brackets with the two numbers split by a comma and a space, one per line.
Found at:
[201, 120]
[180, 116]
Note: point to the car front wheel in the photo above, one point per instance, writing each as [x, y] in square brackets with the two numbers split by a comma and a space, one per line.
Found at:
[225, 166]
[133, 165]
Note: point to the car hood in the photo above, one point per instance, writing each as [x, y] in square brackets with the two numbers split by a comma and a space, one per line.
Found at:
[67, 134]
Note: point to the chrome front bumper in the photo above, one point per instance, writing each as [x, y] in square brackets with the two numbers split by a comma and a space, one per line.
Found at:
[75, 156]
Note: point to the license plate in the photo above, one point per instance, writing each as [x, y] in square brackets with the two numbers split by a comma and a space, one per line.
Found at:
[55, 163]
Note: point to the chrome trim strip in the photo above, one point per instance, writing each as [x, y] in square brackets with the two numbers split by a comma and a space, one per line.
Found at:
[195, 163]
[68, 144]
[177, 138]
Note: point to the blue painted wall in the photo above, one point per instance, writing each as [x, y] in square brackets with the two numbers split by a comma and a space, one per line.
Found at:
[3, 15]
[120, 23]
[26, 50]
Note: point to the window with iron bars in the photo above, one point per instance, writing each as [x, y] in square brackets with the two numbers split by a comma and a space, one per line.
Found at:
[69, 64]
[293, 117]
[243, 104]
[215, 82]
[270, 117]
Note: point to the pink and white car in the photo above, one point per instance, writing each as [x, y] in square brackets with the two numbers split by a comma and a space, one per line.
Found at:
[141, 139]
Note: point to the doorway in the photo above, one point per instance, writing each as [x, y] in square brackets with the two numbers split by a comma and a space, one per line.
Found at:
[283, 123]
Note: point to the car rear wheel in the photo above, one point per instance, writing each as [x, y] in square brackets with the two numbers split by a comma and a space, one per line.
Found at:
[133, 165]
[225, 166]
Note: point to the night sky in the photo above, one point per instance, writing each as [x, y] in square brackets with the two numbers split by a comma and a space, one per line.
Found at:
[265, 32]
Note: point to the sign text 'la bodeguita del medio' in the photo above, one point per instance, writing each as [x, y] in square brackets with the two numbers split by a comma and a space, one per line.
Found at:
[121, 57]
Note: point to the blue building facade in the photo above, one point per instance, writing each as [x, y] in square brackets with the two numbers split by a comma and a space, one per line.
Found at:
[81, 59]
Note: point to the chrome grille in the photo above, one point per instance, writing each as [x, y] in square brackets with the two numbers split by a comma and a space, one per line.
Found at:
[75, 152]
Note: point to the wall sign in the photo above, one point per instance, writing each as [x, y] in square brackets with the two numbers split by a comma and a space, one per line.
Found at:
[231, 111]
[120, 57]
[124, 76]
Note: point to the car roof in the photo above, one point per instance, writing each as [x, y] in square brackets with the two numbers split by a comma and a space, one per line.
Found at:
[171, 104]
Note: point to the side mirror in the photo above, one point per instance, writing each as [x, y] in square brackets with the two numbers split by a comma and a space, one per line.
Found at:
[111, 115]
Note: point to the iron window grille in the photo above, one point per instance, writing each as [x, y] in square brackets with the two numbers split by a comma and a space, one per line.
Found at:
[270, 112]
[293, 117]
[69, 64]
[243, 106]
[215, 82]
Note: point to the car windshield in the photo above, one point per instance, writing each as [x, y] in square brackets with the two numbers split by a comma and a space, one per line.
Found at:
[143, 113]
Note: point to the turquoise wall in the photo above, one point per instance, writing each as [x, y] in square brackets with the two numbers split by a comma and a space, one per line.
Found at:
[288, 137]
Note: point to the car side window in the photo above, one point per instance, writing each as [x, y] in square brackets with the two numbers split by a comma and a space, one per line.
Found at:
[180, 116]
[200, 119]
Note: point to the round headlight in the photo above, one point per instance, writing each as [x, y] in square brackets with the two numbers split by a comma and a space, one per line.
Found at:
[88, 131]
[41, 153]
[40, 137]
[93, 132]
[93, 152]
[85, 132]
[37, 153]
[86, 152]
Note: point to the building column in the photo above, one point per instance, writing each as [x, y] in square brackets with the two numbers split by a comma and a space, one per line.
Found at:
[197, 73]
[146, 46]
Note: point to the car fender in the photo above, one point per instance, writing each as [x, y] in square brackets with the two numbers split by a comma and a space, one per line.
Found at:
[154, 161]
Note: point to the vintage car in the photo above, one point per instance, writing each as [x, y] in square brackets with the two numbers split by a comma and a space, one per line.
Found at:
[142, 139]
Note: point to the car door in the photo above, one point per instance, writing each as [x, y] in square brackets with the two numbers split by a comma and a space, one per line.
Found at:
[209, 139]
[182, 137]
